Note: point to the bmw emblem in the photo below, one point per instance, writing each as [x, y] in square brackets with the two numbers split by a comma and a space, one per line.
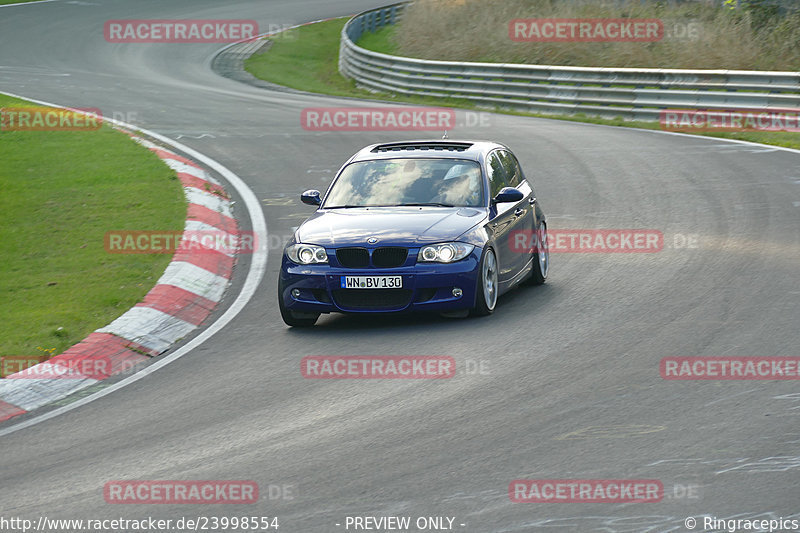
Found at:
[372, 240]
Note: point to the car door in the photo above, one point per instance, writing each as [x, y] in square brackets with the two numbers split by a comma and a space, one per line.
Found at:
[502, 219]
[523, 223]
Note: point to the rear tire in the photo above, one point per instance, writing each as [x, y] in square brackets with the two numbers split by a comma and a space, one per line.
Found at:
[291, 318]
[487, 286]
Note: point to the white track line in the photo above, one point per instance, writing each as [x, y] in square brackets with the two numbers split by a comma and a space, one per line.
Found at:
[258, 267]
[27, 4]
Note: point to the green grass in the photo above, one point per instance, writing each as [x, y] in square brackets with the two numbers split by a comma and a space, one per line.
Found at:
[697, 35]
[309, 62]
[4, 2]
[61, 192]
[380, 40]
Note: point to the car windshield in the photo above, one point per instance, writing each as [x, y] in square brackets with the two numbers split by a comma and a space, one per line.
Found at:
[406, 181]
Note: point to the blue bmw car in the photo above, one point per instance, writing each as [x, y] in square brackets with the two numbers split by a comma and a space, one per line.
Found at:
[443, 226]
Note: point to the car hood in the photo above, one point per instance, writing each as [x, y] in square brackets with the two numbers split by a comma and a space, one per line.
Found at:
[390, 225]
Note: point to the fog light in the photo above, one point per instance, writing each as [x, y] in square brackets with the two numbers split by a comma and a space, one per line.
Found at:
[295, 293]
[457, 292]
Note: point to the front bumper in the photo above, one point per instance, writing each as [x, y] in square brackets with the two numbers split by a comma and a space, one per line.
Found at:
[426, 287]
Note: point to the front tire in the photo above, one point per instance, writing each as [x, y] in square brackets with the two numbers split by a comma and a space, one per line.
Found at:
[291, 318]
[541, 257]
[488, 286]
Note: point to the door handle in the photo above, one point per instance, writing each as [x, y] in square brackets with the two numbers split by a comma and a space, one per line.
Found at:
[532, 200]
[519, 212]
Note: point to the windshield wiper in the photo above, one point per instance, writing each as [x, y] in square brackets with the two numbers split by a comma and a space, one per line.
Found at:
[424, 204]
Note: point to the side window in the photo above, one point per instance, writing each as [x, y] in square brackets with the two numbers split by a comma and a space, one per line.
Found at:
[496, 174]
[511, 166]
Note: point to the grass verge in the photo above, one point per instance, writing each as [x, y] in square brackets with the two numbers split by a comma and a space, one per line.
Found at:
[5, 2]
[693, 35]
[309, 62]
[61, 192]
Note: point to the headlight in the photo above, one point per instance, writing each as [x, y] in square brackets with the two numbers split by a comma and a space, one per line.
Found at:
[447, 252]
[306, 254]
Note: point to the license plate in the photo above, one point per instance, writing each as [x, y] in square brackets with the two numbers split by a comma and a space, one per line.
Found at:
[372, 282]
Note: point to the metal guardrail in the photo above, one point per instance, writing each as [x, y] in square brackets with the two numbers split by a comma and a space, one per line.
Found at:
[631, 93]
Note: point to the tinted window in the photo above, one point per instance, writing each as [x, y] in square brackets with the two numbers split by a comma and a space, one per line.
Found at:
[407, 181]
[496, 174]
[511, 166]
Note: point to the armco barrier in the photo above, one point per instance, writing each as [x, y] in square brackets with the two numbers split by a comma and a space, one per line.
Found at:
[631, 93]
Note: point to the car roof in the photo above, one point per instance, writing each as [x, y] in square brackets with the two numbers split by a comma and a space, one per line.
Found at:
[430, 148]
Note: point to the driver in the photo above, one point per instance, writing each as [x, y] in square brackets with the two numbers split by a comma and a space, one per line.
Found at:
[460, 186]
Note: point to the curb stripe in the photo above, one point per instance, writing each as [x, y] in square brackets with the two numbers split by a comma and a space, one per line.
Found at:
[32, 393]
[211, 201]
[179, 303]
[212, 260]
[193, 181]
[188, 290]
[200, 239]
[251, 284]
[117, 353]
[194, 279]
[201, 213]
[9, 411]
[163, 153]
[98, 356]
[99, 343]
[149, 327]
[177, 166]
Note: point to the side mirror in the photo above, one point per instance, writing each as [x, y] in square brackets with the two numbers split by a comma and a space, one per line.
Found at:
[311, 197]
[508, 195]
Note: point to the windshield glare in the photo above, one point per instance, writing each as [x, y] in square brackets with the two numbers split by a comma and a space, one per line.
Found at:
[394, 182]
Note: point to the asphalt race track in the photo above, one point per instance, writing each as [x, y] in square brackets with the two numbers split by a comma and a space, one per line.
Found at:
[561, 382]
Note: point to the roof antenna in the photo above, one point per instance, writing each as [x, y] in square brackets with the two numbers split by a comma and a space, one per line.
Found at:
[445, 135]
